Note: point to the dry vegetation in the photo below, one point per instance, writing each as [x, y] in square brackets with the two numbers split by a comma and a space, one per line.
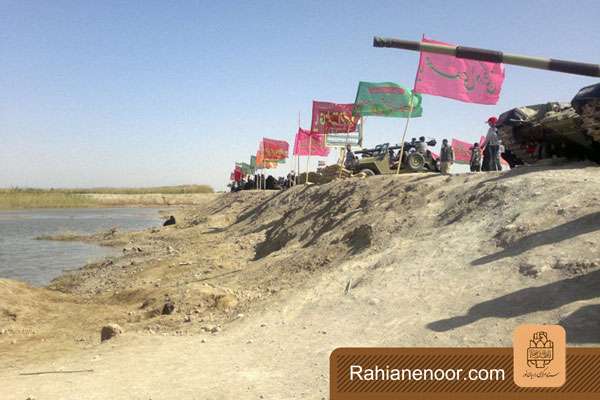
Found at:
[19, 198]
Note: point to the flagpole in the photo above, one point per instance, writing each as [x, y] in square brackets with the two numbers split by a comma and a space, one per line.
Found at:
[308, 158]
[262, 170]
[341, 160]
[297, 162]
[343, 152]
[410, 109]
[362, 129]
[412, 94]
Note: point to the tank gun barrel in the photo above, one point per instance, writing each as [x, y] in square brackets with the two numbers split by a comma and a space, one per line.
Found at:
[473, 53]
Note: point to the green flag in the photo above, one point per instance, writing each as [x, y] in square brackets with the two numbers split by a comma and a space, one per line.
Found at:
[253, 162]
[386, 99]
[246, 168]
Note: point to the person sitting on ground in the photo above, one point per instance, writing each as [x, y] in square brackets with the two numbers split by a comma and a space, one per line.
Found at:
[475, 162]
[446, 157]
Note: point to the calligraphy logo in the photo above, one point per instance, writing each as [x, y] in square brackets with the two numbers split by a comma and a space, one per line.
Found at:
[539, 354]
[541, 350]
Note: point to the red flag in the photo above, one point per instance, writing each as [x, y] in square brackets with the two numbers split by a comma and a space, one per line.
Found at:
[333, 118]
[462, 151]
[316, 141]
[273, 150]
[238, 174]
[470, 81]
[259, 157]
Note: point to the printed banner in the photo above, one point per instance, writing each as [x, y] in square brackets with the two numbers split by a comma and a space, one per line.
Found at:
[274, 150]
[342, 139]
[386, 99]
[333, 118]
[470, 81]
[310, 143]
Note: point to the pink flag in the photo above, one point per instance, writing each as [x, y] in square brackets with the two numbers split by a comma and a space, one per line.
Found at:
[470, 81]
[316, 141]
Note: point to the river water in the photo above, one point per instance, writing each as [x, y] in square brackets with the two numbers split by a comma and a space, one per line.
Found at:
[24, 258]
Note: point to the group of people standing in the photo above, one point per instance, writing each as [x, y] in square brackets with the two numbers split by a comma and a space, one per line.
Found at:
[260, 181]
[483, 158]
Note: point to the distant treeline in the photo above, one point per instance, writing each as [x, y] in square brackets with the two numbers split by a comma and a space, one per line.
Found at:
[67, 198]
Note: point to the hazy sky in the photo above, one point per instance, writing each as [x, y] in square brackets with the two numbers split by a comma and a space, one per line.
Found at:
[138, 93]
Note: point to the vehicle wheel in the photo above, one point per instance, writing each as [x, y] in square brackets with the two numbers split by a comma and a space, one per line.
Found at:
[368, 172]
[415, 161]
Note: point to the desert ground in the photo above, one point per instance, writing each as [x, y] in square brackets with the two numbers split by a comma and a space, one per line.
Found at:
[264, 285]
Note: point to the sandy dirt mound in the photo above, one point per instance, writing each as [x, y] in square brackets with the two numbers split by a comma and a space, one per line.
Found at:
[282, 278]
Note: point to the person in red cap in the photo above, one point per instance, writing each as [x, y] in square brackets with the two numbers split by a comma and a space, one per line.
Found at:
[492, 145]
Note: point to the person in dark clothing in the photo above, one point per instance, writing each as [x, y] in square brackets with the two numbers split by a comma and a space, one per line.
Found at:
[446, 157]
[510, 158]
[350, 159]
[270, 183]
[475, 162]
[249, 184]
[492, 144]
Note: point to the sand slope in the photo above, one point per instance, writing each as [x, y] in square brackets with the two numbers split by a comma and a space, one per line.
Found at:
[284, 278]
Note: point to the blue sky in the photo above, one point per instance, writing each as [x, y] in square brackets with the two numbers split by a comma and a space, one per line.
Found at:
[139, 93]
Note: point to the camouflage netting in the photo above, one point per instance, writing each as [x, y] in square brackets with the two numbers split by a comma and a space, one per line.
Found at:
[590, 119]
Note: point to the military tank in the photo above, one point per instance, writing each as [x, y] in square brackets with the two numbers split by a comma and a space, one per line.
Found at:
[532, 133]
[569, 130]
[587, 105]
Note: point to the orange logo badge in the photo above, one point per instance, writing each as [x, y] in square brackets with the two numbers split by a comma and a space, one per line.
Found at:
[540, 356]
